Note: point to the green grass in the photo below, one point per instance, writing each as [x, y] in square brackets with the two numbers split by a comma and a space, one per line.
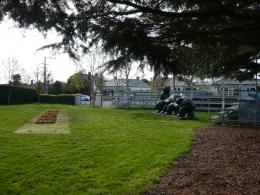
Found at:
[108, 151]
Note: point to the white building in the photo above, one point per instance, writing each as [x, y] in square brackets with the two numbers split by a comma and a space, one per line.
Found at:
[116, 85]
[184, 84]
[232, 87]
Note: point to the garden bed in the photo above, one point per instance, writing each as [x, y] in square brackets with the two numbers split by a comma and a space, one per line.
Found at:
[223, 160]
[49, 116]
[50, 121]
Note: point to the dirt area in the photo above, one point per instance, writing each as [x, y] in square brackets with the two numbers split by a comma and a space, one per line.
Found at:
[49, 116]
[60, 126]
[223, 160]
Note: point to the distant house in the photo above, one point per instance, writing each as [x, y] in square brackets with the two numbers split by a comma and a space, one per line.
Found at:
[180, 84]
[116, 85]
[184, 84]
[232, 87]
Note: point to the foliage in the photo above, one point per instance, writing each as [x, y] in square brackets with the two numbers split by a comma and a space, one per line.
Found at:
[11, 67]
[100, 81]
[79, 83]
[17, 95]
[103, 154]
[57, 88]
[215, 37]
[16, 80]
[57, 99]
[122, 67]
[39, 87]
[147, 81]
[158, 83]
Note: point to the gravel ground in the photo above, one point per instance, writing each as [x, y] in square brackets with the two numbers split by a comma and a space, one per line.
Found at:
[223, 160]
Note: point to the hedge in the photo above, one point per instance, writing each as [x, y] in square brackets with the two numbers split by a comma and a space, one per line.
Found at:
[18, 95]
[58, 99]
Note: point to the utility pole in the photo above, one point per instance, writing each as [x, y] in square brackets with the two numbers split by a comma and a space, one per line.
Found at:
[45, 76]
[45, 82]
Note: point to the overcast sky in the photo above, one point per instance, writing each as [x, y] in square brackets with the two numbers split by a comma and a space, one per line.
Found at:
[22, 45]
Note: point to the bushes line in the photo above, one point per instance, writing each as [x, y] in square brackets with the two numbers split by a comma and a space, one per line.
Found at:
[17, 95]
[21, 95]
[57, 99]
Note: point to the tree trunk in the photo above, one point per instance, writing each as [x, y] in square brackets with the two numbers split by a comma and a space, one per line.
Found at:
[173, 83]
[191, 87]
[127, 92]
[93, 94]
[9, 94]
[223, 96]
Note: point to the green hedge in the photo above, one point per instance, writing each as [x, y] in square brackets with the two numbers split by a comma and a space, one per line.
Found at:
[18, 95]
[58, 99]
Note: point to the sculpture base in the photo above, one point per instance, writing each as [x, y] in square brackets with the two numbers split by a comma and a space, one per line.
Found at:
[182, 118]
[175, 117]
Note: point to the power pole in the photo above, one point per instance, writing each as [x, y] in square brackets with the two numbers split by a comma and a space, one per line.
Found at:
[45, 76]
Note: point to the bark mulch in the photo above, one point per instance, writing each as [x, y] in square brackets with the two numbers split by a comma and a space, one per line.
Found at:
[48, 117]
[223, 160]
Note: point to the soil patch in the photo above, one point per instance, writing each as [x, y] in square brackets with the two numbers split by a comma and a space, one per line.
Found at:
[48, 117]
[43, 124]
[223, 160]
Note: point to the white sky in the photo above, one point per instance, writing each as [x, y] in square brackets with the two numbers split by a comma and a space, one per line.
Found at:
[22, 45]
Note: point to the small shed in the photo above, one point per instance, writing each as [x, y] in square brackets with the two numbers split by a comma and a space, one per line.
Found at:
[249, 107]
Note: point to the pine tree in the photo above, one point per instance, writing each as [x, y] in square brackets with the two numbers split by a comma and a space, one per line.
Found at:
[220, 37]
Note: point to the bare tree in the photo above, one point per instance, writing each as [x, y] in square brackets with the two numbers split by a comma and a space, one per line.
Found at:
[11, 67]
[125, 71]
[26, 78]
[37, 73]
[122, 77]
[92, 67]
[158, 82]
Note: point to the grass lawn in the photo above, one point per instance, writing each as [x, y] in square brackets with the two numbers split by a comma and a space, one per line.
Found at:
[107, 151]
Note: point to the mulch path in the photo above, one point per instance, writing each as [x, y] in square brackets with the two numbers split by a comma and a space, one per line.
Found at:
[223, 160]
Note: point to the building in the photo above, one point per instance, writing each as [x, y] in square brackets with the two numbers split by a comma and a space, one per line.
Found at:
[232, 87]
[184, 84]
[119, 85]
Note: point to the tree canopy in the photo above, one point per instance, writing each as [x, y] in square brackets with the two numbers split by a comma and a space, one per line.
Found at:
[79, 83]
[206, 38]
[57, 88]
[16, 80]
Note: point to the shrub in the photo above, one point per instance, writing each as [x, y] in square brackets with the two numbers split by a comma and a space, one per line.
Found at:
[18, 95]
[58, 99]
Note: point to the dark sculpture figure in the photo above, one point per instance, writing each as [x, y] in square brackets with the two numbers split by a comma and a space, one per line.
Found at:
[166, 103]
[166, 93]
[163, 99]
[186, 107]
[175, 104]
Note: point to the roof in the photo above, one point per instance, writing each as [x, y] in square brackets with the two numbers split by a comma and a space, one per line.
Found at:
[180, 81]
[121, 82]
[177, 82]
[236, 82]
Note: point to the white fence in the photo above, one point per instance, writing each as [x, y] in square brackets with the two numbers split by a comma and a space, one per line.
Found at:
[147, 99]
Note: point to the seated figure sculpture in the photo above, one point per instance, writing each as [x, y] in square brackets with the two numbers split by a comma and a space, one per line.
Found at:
[166, 103]
[173, 106]
[179, 105]
[164, 95]
[186, 106]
